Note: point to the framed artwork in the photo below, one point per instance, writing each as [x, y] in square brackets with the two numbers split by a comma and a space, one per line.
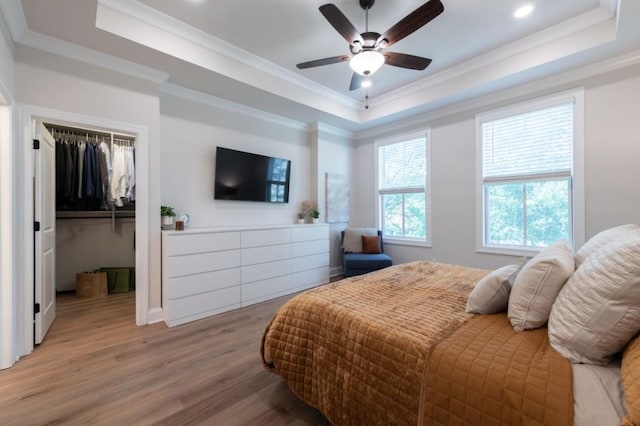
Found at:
[337, 198]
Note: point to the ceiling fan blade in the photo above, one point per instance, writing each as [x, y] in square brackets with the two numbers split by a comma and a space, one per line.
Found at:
[403, 60]
[325, 61]
[356, 81]
[340, 23]
[413, 21]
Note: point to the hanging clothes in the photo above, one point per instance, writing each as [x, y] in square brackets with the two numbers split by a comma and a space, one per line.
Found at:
[105, 175]
[81, 149]
[120, 175]
[90, 172]
[93, 174]
[131, 170]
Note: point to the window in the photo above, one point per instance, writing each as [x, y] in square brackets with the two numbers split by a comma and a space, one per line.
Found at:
[527, 164]
[402, 179]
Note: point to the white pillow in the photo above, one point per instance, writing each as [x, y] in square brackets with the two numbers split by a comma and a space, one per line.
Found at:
[601, 239]
[537, 286]
[353, 238]
[491, 294]
[598, 312]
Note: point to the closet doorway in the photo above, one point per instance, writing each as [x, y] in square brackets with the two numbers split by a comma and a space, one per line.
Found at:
[24, 297]
[90, 243]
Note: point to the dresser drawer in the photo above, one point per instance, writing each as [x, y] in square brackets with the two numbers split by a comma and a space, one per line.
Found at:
[255, 255]
[265, 237]
[202, 283]
[203, 262]
[307, 248]
[202, 243]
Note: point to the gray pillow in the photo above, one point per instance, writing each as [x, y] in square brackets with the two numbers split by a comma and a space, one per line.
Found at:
[601, 239]
[491, 294]
[537, 285]
[598, 312]
[353, 238]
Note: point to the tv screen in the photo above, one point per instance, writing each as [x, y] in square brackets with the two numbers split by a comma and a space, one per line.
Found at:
[251, 177]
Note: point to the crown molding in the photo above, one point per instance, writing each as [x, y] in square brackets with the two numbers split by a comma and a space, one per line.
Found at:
[21, 34]
[590, 29]
[175, 90]
[126, 18]
[574, 77]
[83, 54]
[320, 128]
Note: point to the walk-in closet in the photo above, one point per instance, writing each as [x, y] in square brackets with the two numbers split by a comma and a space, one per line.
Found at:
[95, 208]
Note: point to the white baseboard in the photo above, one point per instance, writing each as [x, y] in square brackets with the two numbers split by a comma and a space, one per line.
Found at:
[155, 315]
[335, 271]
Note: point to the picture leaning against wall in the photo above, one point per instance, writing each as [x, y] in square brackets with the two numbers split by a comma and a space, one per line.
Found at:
[337, 198]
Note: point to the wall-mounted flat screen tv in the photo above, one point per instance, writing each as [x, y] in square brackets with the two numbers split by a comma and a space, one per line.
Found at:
[244, 176]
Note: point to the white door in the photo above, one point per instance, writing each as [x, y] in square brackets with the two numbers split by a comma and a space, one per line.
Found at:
[45, 238]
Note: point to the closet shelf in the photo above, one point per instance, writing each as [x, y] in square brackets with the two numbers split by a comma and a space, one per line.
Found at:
[97, 214]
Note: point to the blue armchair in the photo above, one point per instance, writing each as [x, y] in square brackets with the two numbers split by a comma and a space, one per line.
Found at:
[362, 263]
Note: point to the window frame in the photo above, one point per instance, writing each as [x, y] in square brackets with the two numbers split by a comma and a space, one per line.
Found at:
[576, 175]
[423, 133]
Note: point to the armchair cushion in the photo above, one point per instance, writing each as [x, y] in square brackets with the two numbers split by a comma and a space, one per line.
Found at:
[352, 238]
[368, 262]
[371, 245]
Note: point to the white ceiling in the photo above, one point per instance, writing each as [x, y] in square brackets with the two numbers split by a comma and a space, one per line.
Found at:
[246, 50]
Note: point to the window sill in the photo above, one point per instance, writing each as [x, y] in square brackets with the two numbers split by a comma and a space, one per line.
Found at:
[412, 243]
[508, 251]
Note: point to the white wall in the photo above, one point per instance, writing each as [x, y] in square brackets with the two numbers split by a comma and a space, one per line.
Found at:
[612, 151]
[334, 154]
[89, 244]
[192, 130]
[7, 198]
[57, 83]
[612, 115]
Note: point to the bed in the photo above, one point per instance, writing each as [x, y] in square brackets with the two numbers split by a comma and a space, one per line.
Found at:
[396, 347]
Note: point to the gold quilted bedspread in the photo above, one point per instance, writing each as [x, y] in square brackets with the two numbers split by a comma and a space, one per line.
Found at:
[631, 380]
[382, 349]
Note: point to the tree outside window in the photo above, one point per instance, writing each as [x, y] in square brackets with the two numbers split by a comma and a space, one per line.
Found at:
[527, 163]
[402, 184]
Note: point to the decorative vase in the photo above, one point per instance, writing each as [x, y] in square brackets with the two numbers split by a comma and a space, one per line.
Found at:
[316, 220]
[167, 221]
[300, 221]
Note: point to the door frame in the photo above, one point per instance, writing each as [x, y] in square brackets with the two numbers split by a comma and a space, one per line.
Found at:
[7, 233]
[27, 114]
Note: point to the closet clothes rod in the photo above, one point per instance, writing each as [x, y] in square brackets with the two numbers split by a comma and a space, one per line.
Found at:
[88, 132]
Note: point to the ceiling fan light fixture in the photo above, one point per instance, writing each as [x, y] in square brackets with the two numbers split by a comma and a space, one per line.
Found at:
[366, 62]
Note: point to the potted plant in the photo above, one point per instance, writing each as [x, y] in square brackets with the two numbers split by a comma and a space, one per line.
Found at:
[167, 214]
[301, 217]
[315, 215]
[306, 210]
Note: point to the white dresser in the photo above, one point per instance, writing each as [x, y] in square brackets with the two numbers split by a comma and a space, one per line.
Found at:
[207, 271]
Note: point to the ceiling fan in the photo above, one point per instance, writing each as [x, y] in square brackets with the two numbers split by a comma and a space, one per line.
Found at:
[368, 48]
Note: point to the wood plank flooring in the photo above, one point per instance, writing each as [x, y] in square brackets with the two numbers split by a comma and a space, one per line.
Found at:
[96, 367]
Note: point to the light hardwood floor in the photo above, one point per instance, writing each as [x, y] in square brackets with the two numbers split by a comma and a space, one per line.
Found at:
[96, 367]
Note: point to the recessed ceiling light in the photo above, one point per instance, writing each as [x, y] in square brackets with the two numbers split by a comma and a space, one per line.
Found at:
[366, 83]
[523, 11]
